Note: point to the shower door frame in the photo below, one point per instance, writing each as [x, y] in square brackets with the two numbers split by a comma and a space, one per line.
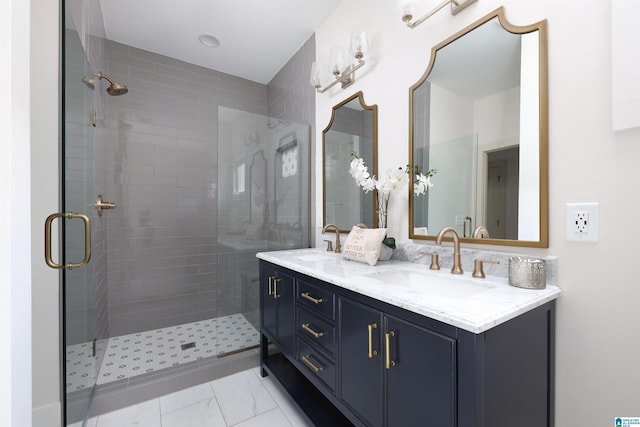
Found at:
[77, 147]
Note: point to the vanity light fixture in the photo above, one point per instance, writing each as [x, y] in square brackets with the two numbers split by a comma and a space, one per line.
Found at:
[345, 75]
[407, 10]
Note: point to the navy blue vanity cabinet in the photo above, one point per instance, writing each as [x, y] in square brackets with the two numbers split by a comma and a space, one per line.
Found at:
[277, 306]
[393, 372]
[348, 359]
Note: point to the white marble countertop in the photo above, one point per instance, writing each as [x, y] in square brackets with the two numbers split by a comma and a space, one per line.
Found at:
[475, 305]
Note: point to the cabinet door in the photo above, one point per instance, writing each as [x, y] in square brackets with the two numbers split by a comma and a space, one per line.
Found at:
[268, 308]
[421, 376]
[278, 306]
[284, 295]
[360, 361]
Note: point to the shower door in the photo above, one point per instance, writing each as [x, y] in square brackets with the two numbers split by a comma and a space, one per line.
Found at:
[78, 225]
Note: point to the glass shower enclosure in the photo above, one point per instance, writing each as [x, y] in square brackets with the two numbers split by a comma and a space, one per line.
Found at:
[172, 283]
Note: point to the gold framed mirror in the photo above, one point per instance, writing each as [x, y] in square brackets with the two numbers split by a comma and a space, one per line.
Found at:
[353, 128]
[479, 116]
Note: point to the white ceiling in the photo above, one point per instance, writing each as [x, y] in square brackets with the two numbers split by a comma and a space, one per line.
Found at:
[257, 37]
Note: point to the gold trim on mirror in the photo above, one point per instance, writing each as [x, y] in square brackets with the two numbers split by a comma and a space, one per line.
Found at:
[541, 28]
[344, 226]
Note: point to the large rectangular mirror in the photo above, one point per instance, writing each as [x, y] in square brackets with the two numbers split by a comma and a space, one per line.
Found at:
[353, 128]
[479, 117]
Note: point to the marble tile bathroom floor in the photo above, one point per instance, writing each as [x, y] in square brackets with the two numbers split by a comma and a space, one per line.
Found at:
[244, 399]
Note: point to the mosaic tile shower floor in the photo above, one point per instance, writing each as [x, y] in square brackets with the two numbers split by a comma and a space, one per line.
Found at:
[134, 354]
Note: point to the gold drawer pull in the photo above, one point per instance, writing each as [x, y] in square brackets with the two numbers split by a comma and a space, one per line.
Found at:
[388, 362]
[276, 280]
[306, 359]
[307, 327]
[306, 295]
[270, 285]
[371, 351]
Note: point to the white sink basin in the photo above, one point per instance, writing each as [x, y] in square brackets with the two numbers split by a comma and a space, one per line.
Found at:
[452, 287]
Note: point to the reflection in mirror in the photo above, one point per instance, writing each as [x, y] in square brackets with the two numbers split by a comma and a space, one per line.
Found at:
[479, 117]
[258, 190]
[352, 129]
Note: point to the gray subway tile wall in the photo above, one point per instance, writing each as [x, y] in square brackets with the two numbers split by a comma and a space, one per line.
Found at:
[163, 258]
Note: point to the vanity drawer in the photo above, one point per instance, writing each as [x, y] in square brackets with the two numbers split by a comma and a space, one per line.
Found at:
[316, 364]
[316, 331]
[316, 299]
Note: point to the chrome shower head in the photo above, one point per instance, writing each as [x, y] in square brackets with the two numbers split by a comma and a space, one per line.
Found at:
[114, 89]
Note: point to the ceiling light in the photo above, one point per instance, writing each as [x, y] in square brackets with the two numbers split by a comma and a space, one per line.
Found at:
[208, 40]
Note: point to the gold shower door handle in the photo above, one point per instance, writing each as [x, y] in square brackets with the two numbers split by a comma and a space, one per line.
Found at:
[47, 240]
[101, 204]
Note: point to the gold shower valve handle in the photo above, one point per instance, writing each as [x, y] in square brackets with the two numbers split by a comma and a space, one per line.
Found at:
[100, 205]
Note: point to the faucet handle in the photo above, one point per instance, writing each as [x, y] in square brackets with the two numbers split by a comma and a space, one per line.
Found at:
[477, 267]
[434, 260]
[329, 245]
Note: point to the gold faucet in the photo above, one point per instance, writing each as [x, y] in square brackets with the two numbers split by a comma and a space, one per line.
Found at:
[337, 230]
[481, 232]
[457, 267]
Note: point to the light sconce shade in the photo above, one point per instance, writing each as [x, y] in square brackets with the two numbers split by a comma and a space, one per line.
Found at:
[336, 61]
[407, 9]
[315, 77]
[344, 74]
[359, 45]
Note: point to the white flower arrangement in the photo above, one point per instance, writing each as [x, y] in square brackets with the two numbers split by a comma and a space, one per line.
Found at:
[392, 180]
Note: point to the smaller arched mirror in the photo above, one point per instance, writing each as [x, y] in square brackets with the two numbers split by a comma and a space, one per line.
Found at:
[479, 117]
[353, 129]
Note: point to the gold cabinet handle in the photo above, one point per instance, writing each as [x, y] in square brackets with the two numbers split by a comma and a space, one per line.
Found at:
[388, 362]
[371, 351]
[307, 327]
[306, 296]
[307, 359]
[47, 240]
[270, 289]
[275, 288]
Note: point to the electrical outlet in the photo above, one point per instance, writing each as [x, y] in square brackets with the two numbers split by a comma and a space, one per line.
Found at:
[459, 219]
[582, 222]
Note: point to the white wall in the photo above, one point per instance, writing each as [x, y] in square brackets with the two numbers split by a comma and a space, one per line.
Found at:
[45, 117]
[15, 258]
[598, 320]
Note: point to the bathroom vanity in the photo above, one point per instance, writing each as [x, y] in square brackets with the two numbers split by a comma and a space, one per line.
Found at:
[399, 345]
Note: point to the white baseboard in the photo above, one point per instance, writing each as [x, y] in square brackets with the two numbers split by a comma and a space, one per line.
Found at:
[47, 415]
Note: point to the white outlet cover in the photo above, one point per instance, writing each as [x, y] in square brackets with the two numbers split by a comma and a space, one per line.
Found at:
[592, 211]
